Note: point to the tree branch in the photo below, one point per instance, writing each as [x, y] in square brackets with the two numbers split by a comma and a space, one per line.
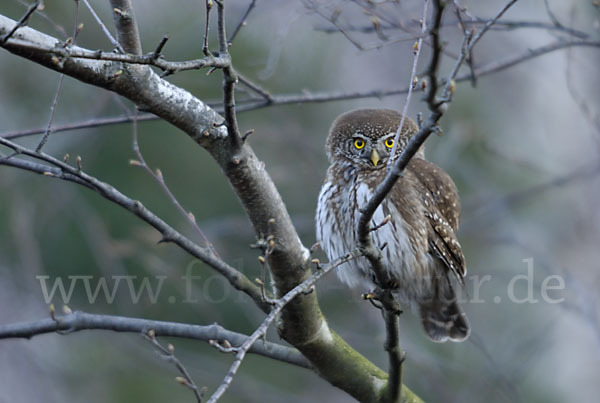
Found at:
[61, 170]
[107, 33]
[127, 29]
[78, 321]
[168, 353]
[242, 21]
[22, 21]
[159, 178]
[229, 81]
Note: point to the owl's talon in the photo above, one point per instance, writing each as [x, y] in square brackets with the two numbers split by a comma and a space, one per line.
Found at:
[386, 220]
[247, 134]
[375, 303]
[317, 263]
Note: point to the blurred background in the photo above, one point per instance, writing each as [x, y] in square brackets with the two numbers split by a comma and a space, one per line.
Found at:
[523, 146]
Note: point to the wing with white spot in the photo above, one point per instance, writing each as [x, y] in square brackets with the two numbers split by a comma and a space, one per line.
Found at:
[443, 212]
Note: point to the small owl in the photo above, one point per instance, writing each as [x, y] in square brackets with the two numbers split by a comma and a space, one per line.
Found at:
[421, 251]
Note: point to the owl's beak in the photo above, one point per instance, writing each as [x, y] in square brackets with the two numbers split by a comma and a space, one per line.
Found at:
[374, 157]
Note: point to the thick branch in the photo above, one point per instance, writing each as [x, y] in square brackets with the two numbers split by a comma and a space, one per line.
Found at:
[127, 29]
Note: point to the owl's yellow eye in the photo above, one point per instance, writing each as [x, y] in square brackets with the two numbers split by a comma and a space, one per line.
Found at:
[358, 143]
[389, 143]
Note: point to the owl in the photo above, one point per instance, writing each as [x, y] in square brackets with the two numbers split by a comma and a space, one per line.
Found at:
[420, 251]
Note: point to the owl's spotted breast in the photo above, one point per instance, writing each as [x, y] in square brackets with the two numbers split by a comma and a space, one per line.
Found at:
[405, 256]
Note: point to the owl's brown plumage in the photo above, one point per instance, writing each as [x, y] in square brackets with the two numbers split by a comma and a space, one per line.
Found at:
[422, 251]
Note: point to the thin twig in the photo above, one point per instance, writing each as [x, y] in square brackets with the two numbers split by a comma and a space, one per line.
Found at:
[551, 15]
[51, 118]
[467, 33]
[76, 30]
[255, 87]
[158, 177]
[279, 305]
[85, 124]
[157, 52]
[208, 7]
[333, 19]
[22, 21]
[505, 25]
[57, 27]
[242, 22]
[168, 353]
[107, 33]
[411, 85]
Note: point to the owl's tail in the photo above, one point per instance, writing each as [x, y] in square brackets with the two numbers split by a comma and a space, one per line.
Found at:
[444, 320]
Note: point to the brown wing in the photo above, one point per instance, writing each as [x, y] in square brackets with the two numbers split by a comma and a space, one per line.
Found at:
[442, 209]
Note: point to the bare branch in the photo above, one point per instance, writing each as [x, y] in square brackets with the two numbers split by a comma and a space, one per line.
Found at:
[168, 353]
[504, 25]
[229, 80]
[51, 118]
[76, 30]
[78, 321]
[86, 124]
[413, 74]
[22, 22]
[158, 177]
[208, 6]
[255, 87]
[169, 234]
[494, 67]
[391, 312]
[242, 21]
[107, 33]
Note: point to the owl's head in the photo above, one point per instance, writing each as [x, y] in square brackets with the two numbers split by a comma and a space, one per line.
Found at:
[365, 137]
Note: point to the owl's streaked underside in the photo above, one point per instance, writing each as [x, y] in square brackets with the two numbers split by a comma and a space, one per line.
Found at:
[422, 252]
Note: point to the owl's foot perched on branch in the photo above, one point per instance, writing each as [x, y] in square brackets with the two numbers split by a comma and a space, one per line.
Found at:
[383, 299]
